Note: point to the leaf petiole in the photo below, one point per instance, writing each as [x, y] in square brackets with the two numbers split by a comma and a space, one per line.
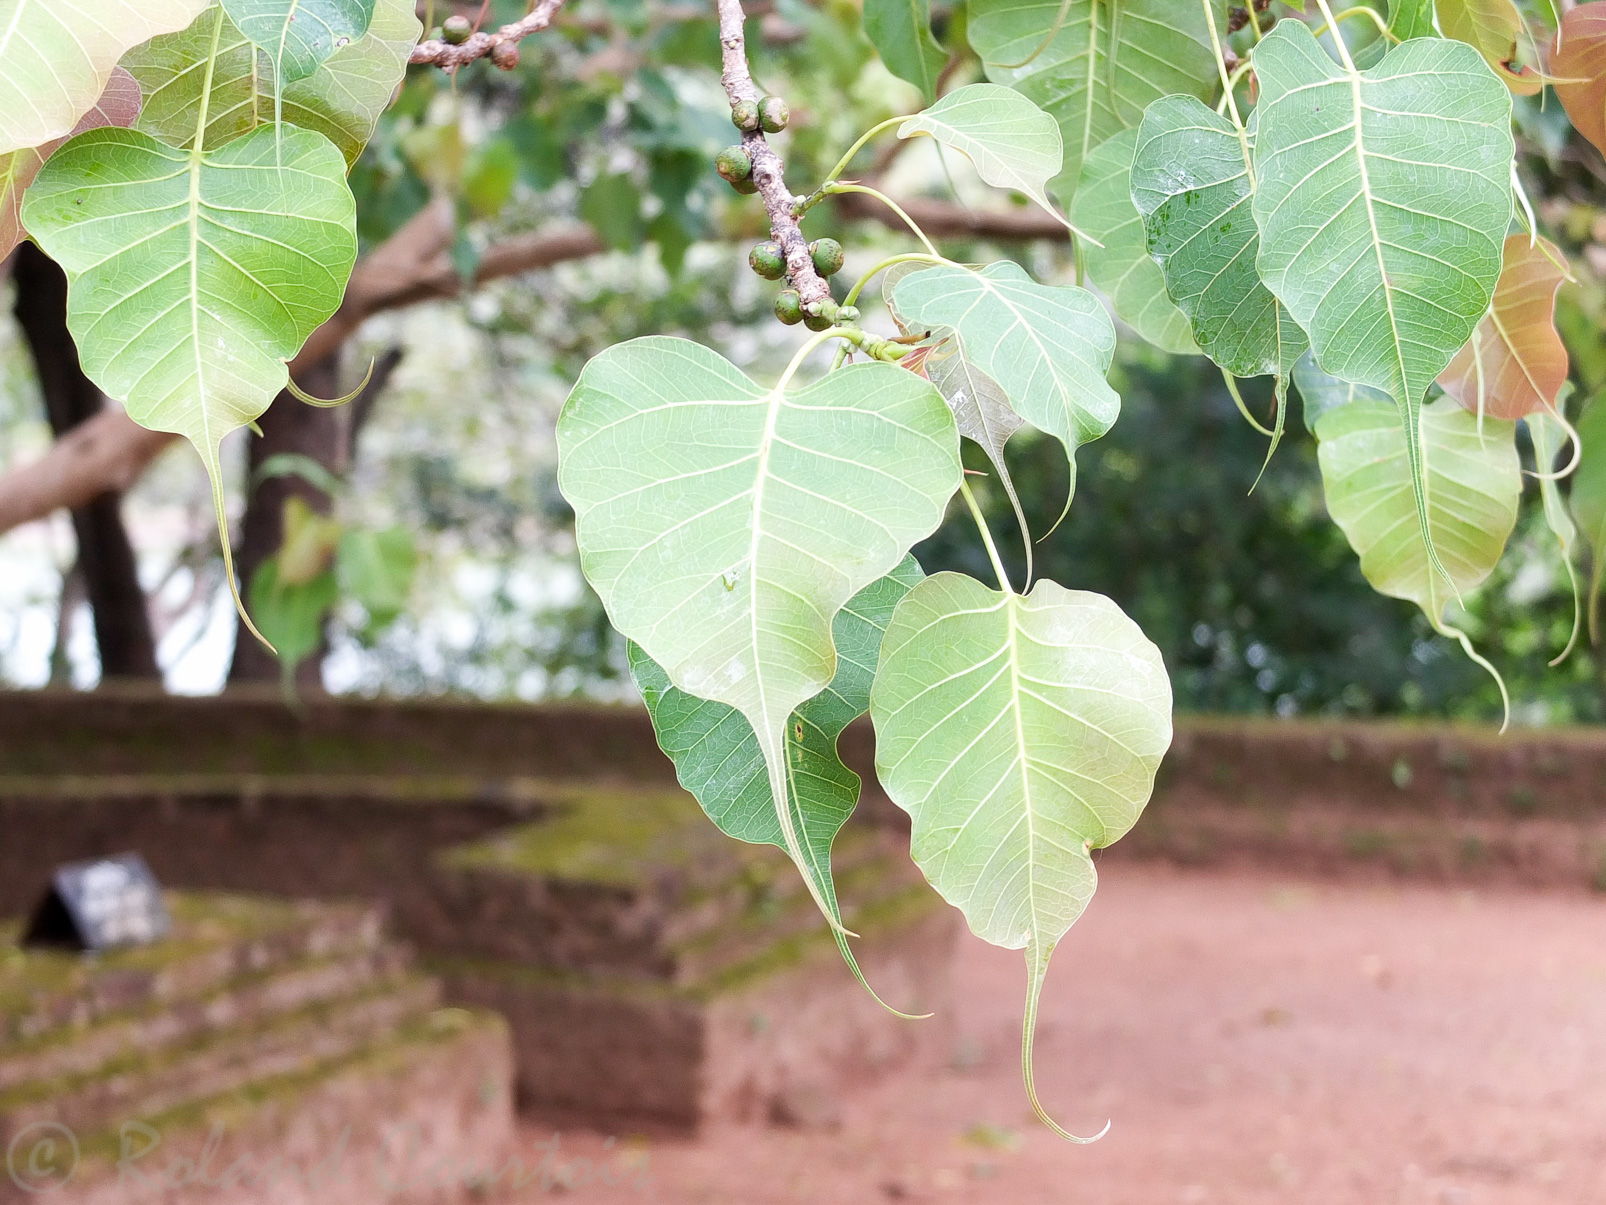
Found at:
[842, 163]
[907, 257]
[986, 537]
[835, 187]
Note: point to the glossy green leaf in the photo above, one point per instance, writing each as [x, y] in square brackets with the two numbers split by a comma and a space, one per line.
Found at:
[1382, 199]
[1012, 142]
[1474, 482]
[342, 99]
[1049, 348]
[1320, 391]
[57, 56]
[1019, 733]
[717, 756]
[725, 524]
[1192, 188]
[900, 30]
[1094, 65]
[1122, 267]
[1588, 501]
[193, 278]
[1549, 434]
[298, 35]
[376, 568]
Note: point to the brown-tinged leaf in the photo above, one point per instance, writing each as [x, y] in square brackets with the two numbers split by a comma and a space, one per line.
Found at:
[1493, 28]
[1515, 364]
[1578, 66]
[117, 106]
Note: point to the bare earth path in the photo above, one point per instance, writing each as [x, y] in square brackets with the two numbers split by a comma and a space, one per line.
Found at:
[1254, 1040]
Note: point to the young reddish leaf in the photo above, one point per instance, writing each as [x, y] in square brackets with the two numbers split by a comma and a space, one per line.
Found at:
[117, 106]
[1578, 65]
[1515, 364]
[1494, 29]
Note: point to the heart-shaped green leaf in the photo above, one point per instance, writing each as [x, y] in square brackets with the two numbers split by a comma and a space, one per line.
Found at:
[1047, 347]
[194, 277]
[724, 525]
[342, 99]
[1012, 142]
[298, 35]
[57, 56]
[1382, 199]
[1019, 733]
[1474, 482]
[1093, 65]
[1122, 267]
[900, 30]
[717, 757]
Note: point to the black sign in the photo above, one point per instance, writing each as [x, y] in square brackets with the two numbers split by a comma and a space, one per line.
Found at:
[98, 905]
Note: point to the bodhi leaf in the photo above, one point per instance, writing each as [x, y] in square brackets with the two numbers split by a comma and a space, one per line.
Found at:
[1474, 484]
[1093, 65]
[1578, 66]
[342, 99]
[1515, 364]
[1192, 184]
[1495, 29]
[57, 56]
[1047, 347]
[900, 30]
[1122, 267]
[1019, 733]
[717, 756]
[1589, 500]
[983, 415]
[1382, 199]
[724, 524]
[117, 106]
[298, 35]
[1320, 392]
[1549, 433]
[194, 277]
[1012, 142]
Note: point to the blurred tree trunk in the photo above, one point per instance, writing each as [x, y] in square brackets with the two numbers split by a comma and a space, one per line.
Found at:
[105, 556]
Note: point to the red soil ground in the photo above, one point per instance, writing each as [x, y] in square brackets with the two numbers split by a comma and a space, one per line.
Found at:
[1253, 1040]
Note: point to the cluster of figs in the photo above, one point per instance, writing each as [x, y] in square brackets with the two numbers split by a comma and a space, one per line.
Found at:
[768, 259]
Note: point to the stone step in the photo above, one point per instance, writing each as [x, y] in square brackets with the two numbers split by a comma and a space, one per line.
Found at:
[635, 883]
[215, 939]
[247, 1000]
[144, 1082]
[420, 1114]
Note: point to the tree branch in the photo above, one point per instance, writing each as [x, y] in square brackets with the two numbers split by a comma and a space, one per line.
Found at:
[767, 168]
[478, 45]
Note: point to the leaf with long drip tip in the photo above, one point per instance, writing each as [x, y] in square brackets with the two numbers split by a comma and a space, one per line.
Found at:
[193, 277]
[1578, 65]
[1020, 732]
[1549, 434]
[717, 756]
[1515, 363]
[1382, 198]
[724, 524]
[900, 30]
[1588, 501]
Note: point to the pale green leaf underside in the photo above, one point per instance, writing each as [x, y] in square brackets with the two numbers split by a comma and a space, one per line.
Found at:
[1019, 733]
[1122, 267]
[1190, 183]
[1047, 347]
[1012, 142]
[56, 57]
[724, 525]
[342, 99]
[194, 278]
[1382, 200]
[1320, 391]
[1474, 483]
[1094, 65]
[900, 30]
[298, 35]
[717, 756]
